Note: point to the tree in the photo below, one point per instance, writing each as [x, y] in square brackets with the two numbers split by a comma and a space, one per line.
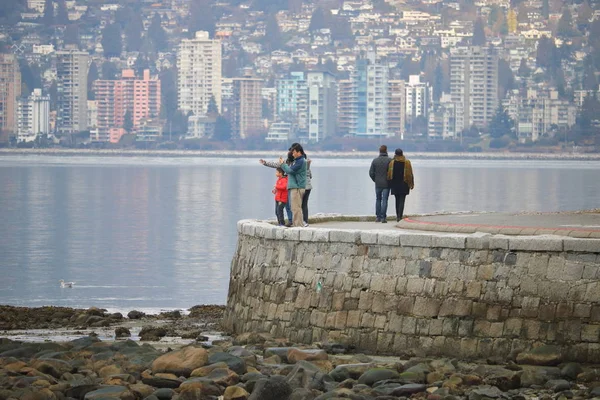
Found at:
[501, 124]
[201, 17]
[584, 13]
[588, 81]
[168, 94]
[109, 71]
[48, 18]
[545, 8]
[273, 34]
[128, 122]
[62, 16]
[133, 31]
[341, 30]
[212, 108]
[318, 20]
[547, 55]
[31, 77]
[564, 29]
[71, 35]
[10, 11]
[506, 80]
[478, 33]
[590, 109]
[222, 129]
[524, 71]
[157, 34]
[92, 76]
[111, 41]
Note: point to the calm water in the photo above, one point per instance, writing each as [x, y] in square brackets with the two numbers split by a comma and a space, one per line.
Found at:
[159, 233]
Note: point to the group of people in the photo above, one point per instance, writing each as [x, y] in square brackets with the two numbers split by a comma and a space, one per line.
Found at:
[391, 175]
[294, 184]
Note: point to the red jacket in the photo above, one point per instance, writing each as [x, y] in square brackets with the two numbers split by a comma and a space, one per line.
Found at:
[281, 192]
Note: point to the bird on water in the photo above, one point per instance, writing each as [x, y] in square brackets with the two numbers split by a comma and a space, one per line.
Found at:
[64, 284]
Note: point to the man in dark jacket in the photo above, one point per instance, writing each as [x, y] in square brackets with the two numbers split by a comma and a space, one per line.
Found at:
[378, 173]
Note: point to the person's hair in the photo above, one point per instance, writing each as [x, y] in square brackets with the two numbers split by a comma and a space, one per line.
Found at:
[398, 152]
[280, 170]
[292, 145]
[297, 147]
[383, 148]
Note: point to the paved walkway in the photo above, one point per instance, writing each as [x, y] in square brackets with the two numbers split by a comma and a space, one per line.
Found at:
[581, 224]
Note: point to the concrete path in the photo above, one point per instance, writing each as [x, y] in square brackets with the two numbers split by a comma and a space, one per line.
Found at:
[581, 224]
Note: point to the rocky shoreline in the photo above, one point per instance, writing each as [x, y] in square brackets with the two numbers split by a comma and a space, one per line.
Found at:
[251, 366]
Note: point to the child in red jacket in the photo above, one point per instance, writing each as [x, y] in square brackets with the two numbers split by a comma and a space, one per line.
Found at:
[281, 195]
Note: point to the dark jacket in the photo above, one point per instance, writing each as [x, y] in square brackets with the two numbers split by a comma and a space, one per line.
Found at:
[296, 173]
[378, 170]
[397, 184]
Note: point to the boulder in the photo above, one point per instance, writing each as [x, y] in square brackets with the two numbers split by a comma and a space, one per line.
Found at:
[234, 363]
[345, 371]
[134, 314]
[122, 332]
[374, 375]
[164, 394]
[250, 338]
[273, 388]
[182, 361]
[485, 393]
[543, 355]
[235, 393]
[294, 355]
[104, 392]
[223, 377]
[152, 333]
[558, 385]
[409, 389]
[207, 369]
[302, 394]
[571, 370]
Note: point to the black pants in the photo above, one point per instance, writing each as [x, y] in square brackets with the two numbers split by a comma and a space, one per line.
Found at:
[279, 206]
[400, 199]
[305, 205]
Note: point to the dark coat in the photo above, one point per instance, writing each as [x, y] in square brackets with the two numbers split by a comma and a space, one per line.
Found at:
[397, 184]
[378, 170]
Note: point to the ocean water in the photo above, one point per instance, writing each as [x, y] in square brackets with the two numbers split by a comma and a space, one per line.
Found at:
[152, 233]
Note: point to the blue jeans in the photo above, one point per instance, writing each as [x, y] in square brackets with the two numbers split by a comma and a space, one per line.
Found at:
[381, 202]
[288, 209]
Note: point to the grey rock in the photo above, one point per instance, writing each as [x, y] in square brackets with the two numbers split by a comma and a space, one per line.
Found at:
[134, 314]
[571, 370]
[595, 392]
[307, 375]
[485, 393]
[234, 363]
[409, 389]
[164, 394]
[273, 388]
[302, 394]
[543, 355]
[105, 392]
[377, 374]
[345, 371]
[558, 385]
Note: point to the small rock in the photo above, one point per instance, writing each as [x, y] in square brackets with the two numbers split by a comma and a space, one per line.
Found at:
[558, 385]
[235, 393]
[571, 370]
[595, 392]
[295, 355]
[122, 332]
[485, 393]
[182, 361]
[134, 314]
[543, 355]
[164, 394]
[374, 375]
[273, 388]
[152, 334]
[234, 363]
[250, 338]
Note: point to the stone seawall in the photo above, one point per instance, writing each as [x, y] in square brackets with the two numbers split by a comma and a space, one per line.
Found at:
[389, 292]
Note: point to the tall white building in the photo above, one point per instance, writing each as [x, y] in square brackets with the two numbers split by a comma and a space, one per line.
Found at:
[71, 74]
[418, 98]
[322, 107]
[33, 116]
[199, 73]
[474, 85]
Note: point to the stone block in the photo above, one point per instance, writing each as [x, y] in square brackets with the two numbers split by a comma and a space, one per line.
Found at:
[365, 301]
[530, 306]
[415, 240]
[353, 320]
[468, 347]
[595, 313]
[320, 235]
[292, 234]
[439, 269]
[582, 245]
[465, 327]
[582, 310]
[512, 327]
[478, 240]
[564, 310]
[590, 333]
[367, 320]
[415, 285]
[536, 243]
[435, 327]
[388, 238]
[426, 307]
[368, 237]
[405, 305]
[449, 241]
[485, 272]
[450, 326]
[479, 309]
[344, 236]
[590, 272]
[531, 329]
[498, 242]
[556, 267]
[409, 325]
[380, 321]
[547, 312]
[385, 343]
[306, 234]
[473, 289]
[592, 292]
[395, 322]
[573, 271]
[340, 319]
[379, 301]
[337, 303]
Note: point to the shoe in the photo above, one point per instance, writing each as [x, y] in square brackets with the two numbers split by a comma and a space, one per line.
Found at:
[384, 221]
[378, 220]
[289, 225]
[305, 224]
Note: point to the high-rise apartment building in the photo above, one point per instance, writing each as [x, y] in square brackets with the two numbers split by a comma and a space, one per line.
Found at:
[71, 74]
[419, 96]
[10, 91]
[246, 115]
[292, 101]
[363, 100]
[322, 108]
[138, 96]
[33, 115]
[199, 73]
[396, 107]
[474, 85]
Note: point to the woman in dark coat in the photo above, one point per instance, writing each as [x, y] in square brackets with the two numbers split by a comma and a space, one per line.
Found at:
[401, 180]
